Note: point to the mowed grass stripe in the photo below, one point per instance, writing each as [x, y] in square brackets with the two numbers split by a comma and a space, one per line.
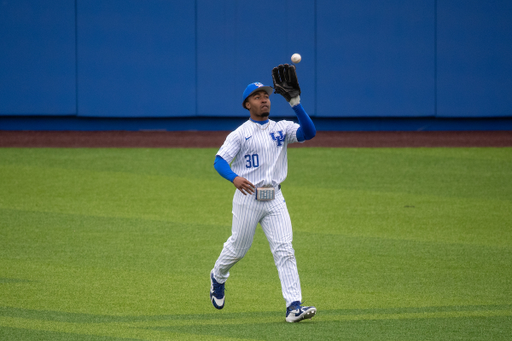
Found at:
[112, 194]
[401, 216]
[68, 331]
[160, 330]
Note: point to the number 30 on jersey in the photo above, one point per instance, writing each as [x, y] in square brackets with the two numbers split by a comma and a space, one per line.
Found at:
[252, 161]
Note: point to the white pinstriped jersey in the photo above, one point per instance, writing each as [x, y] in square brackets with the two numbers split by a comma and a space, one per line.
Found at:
[259, 152]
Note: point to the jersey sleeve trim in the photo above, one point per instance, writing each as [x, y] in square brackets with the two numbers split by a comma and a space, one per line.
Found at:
[231, 147]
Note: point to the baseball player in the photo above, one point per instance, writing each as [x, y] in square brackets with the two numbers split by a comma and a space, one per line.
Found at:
[257, 152]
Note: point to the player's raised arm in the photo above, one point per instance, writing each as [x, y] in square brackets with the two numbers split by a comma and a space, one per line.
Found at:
[286, 84]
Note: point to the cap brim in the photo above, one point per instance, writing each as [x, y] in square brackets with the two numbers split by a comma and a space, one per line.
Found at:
[267, 89]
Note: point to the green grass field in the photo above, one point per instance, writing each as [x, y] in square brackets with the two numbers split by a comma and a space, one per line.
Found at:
[392, 244]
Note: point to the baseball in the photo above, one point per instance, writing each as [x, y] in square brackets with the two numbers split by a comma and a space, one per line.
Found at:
[296, 58]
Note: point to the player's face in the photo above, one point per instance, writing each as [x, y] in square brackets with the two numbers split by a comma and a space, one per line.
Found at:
[259, 105]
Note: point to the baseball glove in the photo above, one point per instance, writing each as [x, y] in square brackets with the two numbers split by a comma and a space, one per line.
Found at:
[285, 81]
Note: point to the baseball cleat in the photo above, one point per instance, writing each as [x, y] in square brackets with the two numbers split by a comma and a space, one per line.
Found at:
[216, 293]
[296, 313]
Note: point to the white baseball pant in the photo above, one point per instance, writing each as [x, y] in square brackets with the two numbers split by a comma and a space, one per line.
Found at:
[275, 220]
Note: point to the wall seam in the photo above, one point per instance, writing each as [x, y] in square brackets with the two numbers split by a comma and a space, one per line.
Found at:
[76, 57]
[315, 68]
[435, 58]
[196, 60]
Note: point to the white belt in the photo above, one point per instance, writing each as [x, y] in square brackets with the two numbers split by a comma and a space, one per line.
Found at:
[266, 193]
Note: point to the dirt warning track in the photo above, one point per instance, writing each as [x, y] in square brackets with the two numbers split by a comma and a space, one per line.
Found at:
[214, 139]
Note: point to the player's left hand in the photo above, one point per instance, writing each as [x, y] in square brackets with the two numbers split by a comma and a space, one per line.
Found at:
[285, 81]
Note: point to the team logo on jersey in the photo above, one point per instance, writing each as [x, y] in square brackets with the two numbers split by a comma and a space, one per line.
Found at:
[279, 137]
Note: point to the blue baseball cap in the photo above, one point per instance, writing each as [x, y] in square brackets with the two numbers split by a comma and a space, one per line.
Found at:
[253, 87]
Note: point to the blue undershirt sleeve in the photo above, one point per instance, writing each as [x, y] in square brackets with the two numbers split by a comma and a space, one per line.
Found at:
[222, 167]
[307, 128]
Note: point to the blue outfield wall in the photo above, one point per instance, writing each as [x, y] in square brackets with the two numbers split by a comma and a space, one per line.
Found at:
[174, 65]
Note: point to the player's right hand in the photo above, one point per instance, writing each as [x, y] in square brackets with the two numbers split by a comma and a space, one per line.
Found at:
[244, 185]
